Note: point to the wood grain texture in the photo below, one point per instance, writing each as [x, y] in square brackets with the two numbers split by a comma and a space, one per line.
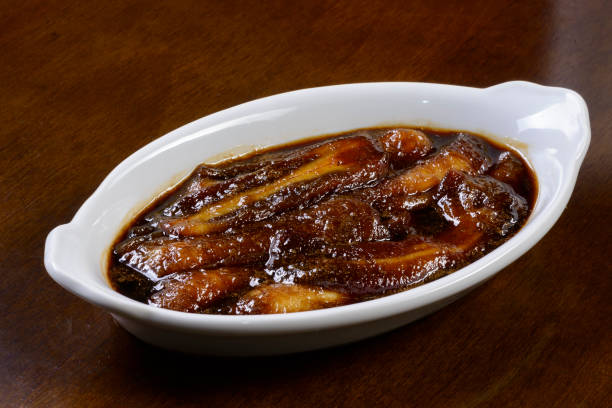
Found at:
[84, 84]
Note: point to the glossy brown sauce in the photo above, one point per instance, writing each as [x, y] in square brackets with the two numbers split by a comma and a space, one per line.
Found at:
[324, 222]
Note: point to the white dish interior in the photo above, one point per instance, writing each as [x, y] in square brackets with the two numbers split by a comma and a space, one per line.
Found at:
[548, 125]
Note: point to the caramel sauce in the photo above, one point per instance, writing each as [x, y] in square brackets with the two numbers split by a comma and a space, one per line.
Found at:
[324, 222]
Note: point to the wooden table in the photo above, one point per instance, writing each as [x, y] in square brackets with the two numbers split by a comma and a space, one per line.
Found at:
[83, 85]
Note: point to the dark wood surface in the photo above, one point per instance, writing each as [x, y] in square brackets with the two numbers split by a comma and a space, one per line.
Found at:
[84, 84]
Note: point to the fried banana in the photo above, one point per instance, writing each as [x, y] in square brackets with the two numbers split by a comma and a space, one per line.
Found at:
[279, 298]
[195, 291]
[405, 146]
[338, 166]
[473, 206]
[341, 219]
[465, 153]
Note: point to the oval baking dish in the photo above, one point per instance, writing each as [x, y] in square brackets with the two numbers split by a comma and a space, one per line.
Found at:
[549, 126]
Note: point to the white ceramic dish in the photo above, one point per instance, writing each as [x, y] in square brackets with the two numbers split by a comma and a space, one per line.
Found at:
[549, 125]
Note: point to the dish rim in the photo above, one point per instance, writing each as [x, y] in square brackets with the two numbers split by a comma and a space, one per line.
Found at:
[450, 285]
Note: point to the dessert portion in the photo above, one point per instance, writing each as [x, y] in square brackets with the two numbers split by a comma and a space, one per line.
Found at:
[324, 223]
